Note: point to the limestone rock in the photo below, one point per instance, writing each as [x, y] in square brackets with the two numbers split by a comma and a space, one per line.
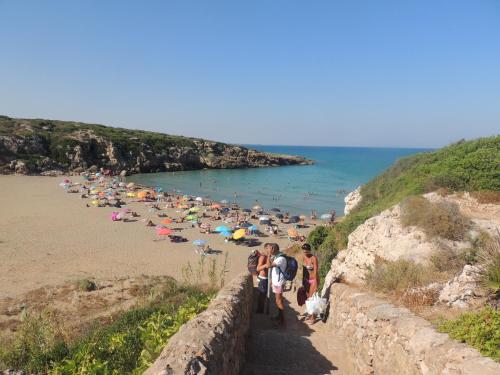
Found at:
[460, 291]
[352, 200]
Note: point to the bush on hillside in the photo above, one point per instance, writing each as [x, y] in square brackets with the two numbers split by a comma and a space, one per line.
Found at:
[489, 259]
[436, 219]
[398, 276]
[480, 330]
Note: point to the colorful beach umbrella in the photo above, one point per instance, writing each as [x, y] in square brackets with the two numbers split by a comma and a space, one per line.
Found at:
[162, 231]
[194, 209]
[239, 234]
[192, 217]
[167, 221]
[222, 228]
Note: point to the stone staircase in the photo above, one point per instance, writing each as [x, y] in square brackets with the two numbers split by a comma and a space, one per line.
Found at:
[297, 349]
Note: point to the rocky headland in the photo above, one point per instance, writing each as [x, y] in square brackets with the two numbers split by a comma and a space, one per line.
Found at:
[50, 147]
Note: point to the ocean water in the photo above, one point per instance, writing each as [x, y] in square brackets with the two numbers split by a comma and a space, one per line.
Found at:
[296, 189]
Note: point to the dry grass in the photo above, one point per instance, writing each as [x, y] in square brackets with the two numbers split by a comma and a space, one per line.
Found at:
[489, 264]
[435, 219]
[486, 196]
[396, 277]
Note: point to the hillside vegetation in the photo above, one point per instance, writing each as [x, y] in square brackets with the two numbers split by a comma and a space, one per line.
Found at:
[463, 166]
[32, 146]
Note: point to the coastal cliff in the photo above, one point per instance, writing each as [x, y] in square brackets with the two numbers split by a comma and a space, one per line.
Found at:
[34, 146]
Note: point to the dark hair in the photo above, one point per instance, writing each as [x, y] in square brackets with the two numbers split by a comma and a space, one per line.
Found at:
[274, 247]
[306, 247]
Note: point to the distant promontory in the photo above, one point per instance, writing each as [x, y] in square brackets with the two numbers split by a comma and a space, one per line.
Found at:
[36, 146]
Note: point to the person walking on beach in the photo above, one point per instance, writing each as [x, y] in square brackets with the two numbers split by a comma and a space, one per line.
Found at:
[277, 264]
[310, 275]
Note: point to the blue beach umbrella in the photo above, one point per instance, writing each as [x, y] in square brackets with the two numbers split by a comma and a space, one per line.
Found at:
[253, 228]
[226, 234]
[222, 228]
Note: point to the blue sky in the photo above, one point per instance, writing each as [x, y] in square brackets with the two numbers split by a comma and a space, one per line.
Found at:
[345, 73]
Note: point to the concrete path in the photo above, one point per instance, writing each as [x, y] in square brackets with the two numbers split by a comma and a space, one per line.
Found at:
[297, 349]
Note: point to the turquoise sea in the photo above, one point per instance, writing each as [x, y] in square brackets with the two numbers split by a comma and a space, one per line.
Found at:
[296, 189]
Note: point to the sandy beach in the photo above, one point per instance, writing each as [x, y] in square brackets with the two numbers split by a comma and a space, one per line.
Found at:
[49, 237]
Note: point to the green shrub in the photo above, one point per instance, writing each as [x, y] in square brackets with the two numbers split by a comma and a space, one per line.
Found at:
[397, 276]
[317, 236]
[36, 345]
[128, 345]
[480, 330]
[436, 219]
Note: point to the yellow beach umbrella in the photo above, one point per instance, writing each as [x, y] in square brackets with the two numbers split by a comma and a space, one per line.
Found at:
[131, 195]
[240, 233]
[95, 202]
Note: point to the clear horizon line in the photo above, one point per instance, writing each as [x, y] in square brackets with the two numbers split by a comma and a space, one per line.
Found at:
[331, 146]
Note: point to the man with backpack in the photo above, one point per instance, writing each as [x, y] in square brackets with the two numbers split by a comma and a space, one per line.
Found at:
[283, 269]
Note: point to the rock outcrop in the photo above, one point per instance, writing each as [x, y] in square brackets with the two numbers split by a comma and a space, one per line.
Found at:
[462, 289]
[352, 200]
[37, 146]
[383, 236]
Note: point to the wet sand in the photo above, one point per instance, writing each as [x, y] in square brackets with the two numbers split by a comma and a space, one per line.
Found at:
[48, 237]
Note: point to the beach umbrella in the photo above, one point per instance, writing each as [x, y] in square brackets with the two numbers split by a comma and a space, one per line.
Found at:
[95, 202]
[239, 234]
[226, 234]
[199, 199]
[224, 201]
[253, 228]
[279, 216]
[247, 210]
[263, 218]
[225, 209]
[216, 206]
[326, 216]
[294, 219]
[131, 195]
[192, 217]
[194, 209]
[275, 209]
[222, 228]
[167, 221]
[162, 231]
[142, 194]
[200, 242]
[292, 232]
[257, 208]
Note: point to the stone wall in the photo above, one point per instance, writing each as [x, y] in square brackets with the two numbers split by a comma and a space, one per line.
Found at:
[383, 339]
[214, 341]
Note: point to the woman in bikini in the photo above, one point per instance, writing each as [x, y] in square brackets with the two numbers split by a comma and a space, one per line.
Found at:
[310, 275]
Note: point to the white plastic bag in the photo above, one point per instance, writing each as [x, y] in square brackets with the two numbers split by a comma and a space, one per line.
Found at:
[315, 305]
